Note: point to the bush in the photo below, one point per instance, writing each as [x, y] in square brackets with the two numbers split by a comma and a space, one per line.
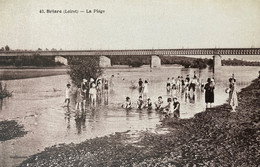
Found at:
[84, 67]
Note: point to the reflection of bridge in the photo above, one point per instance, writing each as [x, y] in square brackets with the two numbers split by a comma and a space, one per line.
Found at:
[155, 61]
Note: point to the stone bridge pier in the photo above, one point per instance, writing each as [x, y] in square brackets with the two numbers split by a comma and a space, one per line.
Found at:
[61, 59]
[104, 62]
[155, 61]
[217, 62]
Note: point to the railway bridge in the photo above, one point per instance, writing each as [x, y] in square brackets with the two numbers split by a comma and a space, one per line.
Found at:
[153, 53]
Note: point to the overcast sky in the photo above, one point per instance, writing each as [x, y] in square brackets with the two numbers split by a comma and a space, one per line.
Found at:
[130, 24]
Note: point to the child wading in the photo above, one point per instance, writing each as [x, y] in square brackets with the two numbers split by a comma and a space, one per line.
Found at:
[176, 108]
[149, 104]
[168, 110]
[127, 104]
[79, 99]
[158, 104]
[93, 95]
[140, 103]
[67, 95]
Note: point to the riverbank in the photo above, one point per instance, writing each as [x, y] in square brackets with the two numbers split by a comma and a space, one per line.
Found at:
[23, 73]
[215, 137]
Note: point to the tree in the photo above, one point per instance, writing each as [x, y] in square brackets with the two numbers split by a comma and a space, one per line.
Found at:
[2, 49]
[7, 48]
[84, 68]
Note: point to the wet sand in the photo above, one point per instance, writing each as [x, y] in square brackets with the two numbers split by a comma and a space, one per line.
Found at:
[216, 137]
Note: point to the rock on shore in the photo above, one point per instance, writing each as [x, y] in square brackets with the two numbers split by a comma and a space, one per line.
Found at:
[215, 137]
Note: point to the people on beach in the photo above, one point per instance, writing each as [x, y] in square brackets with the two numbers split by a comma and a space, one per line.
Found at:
[178, 83]
[173, 84]
[140, 103]
[67, 95]
[145, 89]
[149, 104]
[209, 92]
[127, 104]
[79, 98]
[85, 90]
[233, 102]
[111, 83]
[186, 88]
[188, 78]
[176, 108]
[140, 89]
[93, 94]
[159, 103]
[193, 83]
[106, 86]
[168, 109]
[99, 86]
[168, 86]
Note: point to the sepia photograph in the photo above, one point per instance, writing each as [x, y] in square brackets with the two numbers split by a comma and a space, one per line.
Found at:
[122, 83]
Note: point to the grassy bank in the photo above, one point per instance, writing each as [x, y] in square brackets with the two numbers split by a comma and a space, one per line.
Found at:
[214, 137]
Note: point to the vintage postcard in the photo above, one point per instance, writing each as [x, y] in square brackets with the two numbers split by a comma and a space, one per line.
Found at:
[129, 83]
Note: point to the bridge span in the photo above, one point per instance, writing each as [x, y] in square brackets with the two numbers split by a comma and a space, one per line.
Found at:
[138, 52]
[153, 53]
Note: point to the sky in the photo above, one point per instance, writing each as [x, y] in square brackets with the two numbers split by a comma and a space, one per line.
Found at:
[130, 24]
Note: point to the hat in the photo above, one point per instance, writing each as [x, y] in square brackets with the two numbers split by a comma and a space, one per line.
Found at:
[91, 80]
[84, 80]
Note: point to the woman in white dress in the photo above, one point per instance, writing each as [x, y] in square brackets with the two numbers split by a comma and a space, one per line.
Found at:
[145, 89]
[233, 102]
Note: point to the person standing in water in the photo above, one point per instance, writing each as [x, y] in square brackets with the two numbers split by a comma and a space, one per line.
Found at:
[168, 86]
[149, 104]
[79, 98]
[84, 89]
[67, 95]
[145, 89]
[140, 103]
[176, 108]
[233, 102]
[140, 89]
[93, 94]
[209, 93]
[168, 109]
[111, 83]
[127, 104]
[159, 103]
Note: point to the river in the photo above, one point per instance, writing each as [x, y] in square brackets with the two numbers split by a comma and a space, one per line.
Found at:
[37, 104]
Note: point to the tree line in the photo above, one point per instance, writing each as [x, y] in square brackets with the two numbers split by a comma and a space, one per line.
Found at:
[236, 62]
[34, 60]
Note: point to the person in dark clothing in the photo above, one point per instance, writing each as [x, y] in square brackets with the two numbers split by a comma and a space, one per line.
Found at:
[188, 78]
[176, 108]
[140, 83]
[209, 92]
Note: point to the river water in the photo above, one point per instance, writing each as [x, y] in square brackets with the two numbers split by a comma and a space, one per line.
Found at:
[37, 103]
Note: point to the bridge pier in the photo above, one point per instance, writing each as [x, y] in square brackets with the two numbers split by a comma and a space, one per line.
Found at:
[104, 61]
[61, 59]
[155, 61]
[217, 62]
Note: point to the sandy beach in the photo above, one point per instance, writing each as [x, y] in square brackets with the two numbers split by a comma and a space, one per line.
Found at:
[216, 137]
